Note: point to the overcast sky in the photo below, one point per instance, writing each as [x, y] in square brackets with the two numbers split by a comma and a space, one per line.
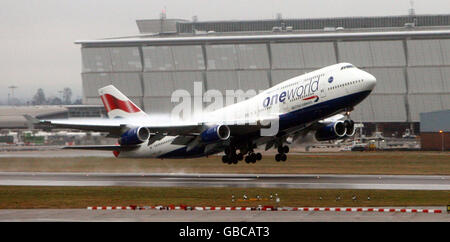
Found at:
[37, 36]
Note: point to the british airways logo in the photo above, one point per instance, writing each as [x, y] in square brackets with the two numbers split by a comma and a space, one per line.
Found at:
[302, 91]
[110, 102]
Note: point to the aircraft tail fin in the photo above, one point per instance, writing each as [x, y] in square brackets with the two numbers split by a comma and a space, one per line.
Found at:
[118, 105]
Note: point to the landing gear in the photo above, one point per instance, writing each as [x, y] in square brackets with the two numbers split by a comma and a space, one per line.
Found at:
[225, 159]
[250, 159]
[282, 151]
[240, 156]
[230, 159]
[246, 153]
[253, 157]
[234, 160]
[280, 157]
[258, 156]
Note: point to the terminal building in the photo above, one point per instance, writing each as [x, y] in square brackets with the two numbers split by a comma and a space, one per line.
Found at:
[12, 117]
[435, 130]
[409, 56]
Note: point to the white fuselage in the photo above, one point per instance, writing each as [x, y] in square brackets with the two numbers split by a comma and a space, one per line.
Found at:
[330, 89]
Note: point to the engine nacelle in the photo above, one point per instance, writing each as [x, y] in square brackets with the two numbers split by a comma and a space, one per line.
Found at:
[331, 131]
[350, 127]
[134, 136]
[215, 134]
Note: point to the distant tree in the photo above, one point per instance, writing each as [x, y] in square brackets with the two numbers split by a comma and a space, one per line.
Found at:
[67, 96]
[39, 97]
[55, 101]
[77, 101]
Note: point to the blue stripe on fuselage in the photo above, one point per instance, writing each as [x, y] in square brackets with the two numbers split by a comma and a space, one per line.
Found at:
[320, 110]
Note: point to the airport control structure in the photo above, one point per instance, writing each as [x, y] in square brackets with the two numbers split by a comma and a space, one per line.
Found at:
[409, 55]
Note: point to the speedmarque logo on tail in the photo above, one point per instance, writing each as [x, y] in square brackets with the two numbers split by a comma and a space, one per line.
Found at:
[301, 91]
[111, 103]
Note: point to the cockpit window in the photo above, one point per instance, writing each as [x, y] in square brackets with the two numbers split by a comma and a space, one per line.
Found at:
[347, 66]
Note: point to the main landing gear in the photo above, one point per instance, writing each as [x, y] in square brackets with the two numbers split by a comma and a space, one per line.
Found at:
[231, 157]
[282, 151]
[253, 157]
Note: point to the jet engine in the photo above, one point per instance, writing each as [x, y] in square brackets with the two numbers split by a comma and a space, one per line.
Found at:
[215, 134]
[331, 131]
[134, 136]
[350, 127]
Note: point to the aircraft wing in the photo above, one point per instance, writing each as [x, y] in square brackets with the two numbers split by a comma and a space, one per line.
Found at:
[115, 127]
[101, 147]
[194, 129]
[111, 126]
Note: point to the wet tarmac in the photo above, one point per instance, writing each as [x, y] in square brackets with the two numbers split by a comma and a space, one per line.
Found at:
[310, 181]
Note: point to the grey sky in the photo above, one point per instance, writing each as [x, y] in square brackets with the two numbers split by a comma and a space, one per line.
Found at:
[36, 37]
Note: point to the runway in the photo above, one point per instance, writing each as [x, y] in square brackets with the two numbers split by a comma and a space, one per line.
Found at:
[315, 181]
[77, 215]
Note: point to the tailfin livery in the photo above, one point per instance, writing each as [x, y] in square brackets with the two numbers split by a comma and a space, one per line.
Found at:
[118, 105]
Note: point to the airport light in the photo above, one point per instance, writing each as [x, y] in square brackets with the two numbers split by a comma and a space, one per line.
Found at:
[442, 139]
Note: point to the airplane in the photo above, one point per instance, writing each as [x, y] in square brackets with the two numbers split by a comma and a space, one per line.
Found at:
[319, 101]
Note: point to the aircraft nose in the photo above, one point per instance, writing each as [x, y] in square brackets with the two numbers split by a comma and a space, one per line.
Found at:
[370, 80]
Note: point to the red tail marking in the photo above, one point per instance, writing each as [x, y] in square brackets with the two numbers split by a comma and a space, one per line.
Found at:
[116, 153]
[111, 103]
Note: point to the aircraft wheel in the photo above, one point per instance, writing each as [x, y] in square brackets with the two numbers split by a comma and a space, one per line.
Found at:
[278, 157]
[225, 159]
[258, 156]
[253, 157]
[240, 156]
[280, 149]
[283, 157]
[285, 149]
[247, 159]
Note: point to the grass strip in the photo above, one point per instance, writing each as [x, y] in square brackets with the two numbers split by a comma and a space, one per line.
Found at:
[401, 163]
[22, 197]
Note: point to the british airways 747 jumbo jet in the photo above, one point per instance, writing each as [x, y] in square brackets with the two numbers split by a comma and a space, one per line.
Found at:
[319, 102]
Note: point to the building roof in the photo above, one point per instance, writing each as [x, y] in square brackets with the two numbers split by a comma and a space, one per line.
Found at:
[315, 23]
[269, 37]
[13, 116]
